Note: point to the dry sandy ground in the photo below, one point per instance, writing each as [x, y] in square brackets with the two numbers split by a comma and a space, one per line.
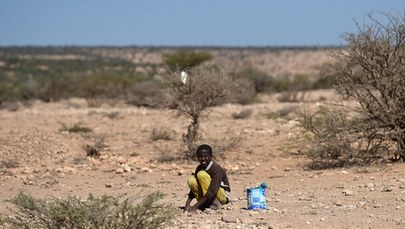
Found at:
[45, 161]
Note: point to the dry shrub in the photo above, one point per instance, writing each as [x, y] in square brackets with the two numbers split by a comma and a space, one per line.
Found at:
[338, 139]
[205, 87]
[160, 134]
[94, 149]
[167, 153]
[371, 70]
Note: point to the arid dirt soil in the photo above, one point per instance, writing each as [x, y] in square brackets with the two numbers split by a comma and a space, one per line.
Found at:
[44, 161]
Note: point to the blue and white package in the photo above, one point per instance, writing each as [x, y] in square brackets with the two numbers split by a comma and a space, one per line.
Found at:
[256, 197]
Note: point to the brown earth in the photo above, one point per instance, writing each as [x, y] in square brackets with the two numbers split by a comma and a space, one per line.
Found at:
[40, 159]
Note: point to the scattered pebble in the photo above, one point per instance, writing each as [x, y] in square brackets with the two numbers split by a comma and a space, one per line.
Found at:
[229, 219]
[109, 185]
[348, 192]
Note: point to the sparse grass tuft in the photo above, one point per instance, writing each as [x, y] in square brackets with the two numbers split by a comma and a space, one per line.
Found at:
[272, 115]
[9, 163]
[95, 149]
[76, 128]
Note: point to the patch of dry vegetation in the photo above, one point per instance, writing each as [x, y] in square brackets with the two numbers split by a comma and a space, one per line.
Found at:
[204, 88]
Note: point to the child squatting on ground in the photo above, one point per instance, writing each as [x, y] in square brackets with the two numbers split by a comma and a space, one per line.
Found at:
[209, 185]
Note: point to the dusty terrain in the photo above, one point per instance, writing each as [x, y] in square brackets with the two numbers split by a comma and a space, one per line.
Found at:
[45, 161]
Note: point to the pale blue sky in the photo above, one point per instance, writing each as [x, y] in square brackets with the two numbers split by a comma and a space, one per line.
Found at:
[184, 22]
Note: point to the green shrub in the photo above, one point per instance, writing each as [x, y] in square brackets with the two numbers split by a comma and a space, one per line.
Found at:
[281, 84]
[93, 212]
[185, 59]
[325, 82]
[272, 115]
[262, 81]
[145, 94]
[54, 79]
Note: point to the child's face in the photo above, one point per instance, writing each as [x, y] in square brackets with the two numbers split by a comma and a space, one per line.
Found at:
[204, 158]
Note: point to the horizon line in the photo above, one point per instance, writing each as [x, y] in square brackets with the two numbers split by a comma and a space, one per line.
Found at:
[182, 46]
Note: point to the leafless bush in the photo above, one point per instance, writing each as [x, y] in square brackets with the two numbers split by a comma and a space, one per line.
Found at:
[94, 149]
[371, 70]
[204, 87]
[338, 139]
[167, 153]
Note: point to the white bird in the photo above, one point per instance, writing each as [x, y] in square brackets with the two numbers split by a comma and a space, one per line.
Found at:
[183, 77]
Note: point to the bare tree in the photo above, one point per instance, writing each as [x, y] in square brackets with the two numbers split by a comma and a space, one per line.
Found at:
[204, 87]
[372, 71]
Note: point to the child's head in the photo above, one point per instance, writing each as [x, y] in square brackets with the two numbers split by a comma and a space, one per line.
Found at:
[204, 154]
[204, 148]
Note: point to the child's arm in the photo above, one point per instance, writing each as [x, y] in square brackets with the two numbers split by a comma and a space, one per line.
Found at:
[198, 204]
[187, 205]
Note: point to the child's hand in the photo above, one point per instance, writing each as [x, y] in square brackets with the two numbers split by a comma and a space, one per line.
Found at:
[192, 210]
